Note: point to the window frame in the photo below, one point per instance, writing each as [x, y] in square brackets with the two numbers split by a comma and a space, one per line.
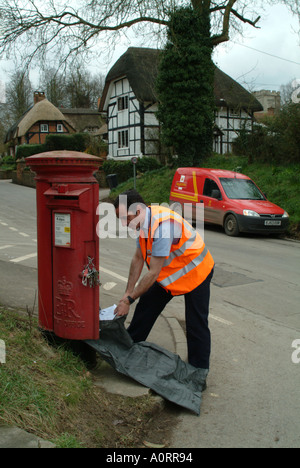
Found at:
[123, 139]
[44, 128]
[209, 185]
[123, 103]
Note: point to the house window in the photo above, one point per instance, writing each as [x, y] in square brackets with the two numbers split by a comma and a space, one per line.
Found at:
[59, 128]
[122, 103]
[234, 113]
[44, 128]
[123, 139]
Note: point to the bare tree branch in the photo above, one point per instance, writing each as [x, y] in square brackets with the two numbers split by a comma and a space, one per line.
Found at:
[34, 28]
[40, 27]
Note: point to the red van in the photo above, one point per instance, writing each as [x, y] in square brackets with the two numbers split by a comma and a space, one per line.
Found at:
[230, 199]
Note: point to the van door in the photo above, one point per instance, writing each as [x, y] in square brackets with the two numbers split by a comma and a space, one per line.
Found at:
[212, 200]
[184, 190]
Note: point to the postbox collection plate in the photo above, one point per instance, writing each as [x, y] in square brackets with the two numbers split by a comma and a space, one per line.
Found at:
[62, 229]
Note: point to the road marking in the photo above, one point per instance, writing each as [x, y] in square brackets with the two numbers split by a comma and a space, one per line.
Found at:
[25, 257]
[5, 247]
[221, 320]
[109, 286]
[15, 229]
[115, 275]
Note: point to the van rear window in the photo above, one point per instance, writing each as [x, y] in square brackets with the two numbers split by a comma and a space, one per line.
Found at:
[241, 189]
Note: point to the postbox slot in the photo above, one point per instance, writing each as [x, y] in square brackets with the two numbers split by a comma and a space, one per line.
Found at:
[53, 192]
[77, 198]
[65, 197]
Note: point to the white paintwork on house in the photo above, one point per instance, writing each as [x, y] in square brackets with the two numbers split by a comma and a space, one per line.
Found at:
[133, 129]
[229, 121]
[132, 126]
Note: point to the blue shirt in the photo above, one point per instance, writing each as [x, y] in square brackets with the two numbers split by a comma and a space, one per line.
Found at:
[167, 234]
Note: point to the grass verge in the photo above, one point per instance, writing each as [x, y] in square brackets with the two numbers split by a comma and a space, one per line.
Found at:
[49, 392]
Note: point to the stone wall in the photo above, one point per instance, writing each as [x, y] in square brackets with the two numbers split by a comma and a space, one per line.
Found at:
[5, 174]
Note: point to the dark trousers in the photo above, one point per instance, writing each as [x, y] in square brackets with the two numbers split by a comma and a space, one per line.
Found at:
[153, 302]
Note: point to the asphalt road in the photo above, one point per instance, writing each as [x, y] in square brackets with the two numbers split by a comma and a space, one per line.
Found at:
[253, 397]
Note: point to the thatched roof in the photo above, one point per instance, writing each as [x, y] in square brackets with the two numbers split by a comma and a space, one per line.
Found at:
[140, 66]
[235, 96]
[39, 112]
[82, 118]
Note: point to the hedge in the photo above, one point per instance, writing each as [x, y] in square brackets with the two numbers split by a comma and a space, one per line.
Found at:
[24, 151]
[75, 142]
[54, 142]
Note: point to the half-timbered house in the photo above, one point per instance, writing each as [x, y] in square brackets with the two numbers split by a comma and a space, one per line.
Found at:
[130, 102]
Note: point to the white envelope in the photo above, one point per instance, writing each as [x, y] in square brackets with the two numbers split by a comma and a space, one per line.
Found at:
[108, 313]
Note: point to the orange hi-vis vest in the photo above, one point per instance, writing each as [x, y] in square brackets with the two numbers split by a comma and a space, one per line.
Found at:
[189, 262]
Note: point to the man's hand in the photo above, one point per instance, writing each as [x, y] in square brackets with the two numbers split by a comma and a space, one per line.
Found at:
[146, 282]
[122, 308]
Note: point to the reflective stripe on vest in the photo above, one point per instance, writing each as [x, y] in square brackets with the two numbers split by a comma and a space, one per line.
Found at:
[193, 264]
[189, 262]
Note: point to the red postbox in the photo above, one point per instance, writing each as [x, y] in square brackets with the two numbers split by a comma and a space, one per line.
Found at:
[67, 196]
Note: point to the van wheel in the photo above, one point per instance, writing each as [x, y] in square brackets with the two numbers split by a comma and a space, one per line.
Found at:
[231, 226]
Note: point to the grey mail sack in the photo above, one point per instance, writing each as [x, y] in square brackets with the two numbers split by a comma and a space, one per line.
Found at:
[150, 365]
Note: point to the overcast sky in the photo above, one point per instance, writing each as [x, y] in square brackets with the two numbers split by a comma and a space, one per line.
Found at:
[277, 36]
[277, 44]
[267, 67]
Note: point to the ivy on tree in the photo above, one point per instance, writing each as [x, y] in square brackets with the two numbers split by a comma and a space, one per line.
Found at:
[185, 87]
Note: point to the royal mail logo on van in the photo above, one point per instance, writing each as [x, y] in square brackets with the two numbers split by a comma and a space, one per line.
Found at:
[181, 183]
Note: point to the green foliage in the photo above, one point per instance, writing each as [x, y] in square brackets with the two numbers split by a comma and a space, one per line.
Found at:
[276, 142]
[66, 440]
[154, 186]
[35, 380]
[124, 169]
[97, 147]
[286, 126]
[7, 163]
[24, 151]
[54, 142]
[46, 389]
[185, 87]
[75, 142]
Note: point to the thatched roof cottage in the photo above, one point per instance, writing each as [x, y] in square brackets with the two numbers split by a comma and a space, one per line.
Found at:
[130, 101]
[38, 121]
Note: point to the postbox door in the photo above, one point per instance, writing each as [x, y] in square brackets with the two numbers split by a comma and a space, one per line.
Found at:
[74, 241]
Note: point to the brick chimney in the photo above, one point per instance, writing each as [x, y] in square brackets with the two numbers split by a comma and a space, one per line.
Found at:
[38, 96]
